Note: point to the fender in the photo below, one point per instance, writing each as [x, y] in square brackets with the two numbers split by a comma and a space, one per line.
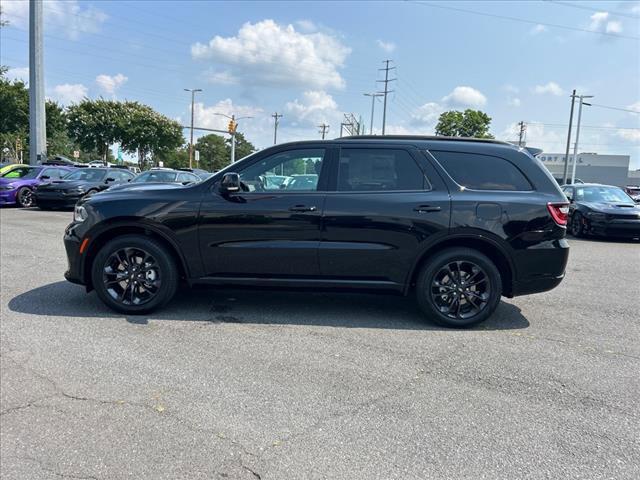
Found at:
[441, 240]
[137, 223]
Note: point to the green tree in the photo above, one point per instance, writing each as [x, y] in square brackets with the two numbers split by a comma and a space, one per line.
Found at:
[177, 158]
[243, 146]
[470, 123]
[95, 124]
[214, 154]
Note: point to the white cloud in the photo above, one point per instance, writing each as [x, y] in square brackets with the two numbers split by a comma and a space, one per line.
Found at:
[18, 73]
[465, 97]
[427, 114]
[388, 47]
[109, 84]
[600, 23]
[635, 107]
[66, 16]
[206, 117]
[514, 102]
[224, 77]
[630, 135]
[306, 26]
[538, 29]
[551, 87]
[316, 107]
[511, 89]
[69, 93]
[269, 53]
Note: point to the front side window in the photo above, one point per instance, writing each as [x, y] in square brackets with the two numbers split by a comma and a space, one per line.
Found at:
[568, 192]
[384, 170]
[297, 170]
[22, 172]
[52, 173]
[187, 177]
[87, 175]
[482, 172]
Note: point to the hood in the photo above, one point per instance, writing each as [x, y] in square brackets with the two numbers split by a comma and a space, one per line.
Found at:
[18, 181]
[613, 208]
[66, 185]
[142, 187]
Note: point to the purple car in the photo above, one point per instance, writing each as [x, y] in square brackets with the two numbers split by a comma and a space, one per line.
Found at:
[17, 185]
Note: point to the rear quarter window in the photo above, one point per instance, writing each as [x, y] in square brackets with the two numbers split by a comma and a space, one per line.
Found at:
[482, 172]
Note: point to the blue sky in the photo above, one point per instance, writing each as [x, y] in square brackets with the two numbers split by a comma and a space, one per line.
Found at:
[313, 61]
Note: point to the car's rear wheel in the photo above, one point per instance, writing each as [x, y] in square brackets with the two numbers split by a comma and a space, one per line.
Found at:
[134, 274]
[25, 198]
[576, 227]
[459, 287]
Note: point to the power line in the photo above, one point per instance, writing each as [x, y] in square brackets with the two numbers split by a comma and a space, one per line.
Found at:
[590, 9]
[616, 108]
[524, 20]
[595, 127]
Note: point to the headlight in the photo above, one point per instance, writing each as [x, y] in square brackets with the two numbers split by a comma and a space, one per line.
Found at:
[80, 214]
[9, 186]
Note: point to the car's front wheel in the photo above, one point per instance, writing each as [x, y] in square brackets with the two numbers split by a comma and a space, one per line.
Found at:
[459, 287]
[576, 226]
[25, 198]
[134, 274]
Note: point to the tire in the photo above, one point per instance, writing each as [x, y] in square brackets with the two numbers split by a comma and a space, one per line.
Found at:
[457, 266]
[576, 227]
[147, 263]
[25, 198]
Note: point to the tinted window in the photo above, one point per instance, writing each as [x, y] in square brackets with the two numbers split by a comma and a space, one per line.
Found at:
[187, 177]
[156, 176]
[292, 170]
[568, 191]
[52, 173]
[120, 176]
[364, 169]
[87, 175]
[482, 172]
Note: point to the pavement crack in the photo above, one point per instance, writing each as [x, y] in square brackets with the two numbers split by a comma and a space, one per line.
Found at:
[252, 471]
[45, 468]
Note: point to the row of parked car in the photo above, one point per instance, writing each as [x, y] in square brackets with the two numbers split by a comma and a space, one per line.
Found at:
[52, 186]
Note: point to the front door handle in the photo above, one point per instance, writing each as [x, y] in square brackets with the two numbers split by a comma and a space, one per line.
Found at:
[302, 208]
[427, 208]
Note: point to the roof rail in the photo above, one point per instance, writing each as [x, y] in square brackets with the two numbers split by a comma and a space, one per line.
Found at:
[422, 137]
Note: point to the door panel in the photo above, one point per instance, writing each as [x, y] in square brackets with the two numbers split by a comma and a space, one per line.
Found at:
[272, 229]
[376, 235]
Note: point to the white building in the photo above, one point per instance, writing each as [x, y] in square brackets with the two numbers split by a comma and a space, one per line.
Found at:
[591, 167]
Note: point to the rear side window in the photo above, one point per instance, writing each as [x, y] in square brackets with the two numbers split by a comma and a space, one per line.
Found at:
[482, 172]
[363, 169]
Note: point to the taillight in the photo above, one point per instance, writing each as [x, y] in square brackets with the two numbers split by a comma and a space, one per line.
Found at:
[559, 212]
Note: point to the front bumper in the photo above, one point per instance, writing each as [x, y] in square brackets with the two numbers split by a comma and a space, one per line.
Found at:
[75, 263]
[8, 197]
[620, 228]
[57, 199]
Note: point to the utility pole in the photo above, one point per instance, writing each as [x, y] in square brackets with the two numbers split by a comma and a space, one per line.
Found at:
[566, 156]
[373, 96]
[386, 90]
[575, 147]
[324, 128]
[193, 95]
[276, 116]
[37, 118]
[523, 129]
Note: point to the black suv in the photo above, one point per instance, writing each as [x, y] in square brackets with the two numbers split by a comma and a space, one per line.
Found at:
[460, 222]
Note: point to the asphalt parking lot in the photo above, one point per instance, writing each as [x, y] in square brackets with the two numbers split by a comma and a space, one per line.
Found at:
[296, 385]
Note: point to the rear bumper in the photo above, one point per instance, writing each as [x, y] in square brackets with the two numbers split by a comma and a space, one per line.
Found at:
[541, 267]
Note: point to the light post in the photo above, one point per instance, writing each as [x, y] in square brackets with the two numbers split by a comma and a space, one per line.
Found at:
[373, 106]
[575, 148]
[193, 94]
[233, 126]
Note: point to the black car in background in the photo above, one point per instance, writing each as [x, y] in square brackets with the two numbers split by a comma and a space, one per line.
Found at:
[83, 182]
[602, 210]
[457, 222]
[160, 176]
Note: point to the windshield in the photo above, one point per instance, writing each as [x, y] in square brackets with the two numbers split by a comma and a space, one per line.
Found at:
[22, 172]
[87, 175]
[601, 194]
[156, 176]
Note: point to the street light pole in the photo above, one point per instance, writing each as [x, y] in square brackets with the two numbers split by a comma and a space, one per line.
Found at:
[193, 94]
[575, 148]
[232, 132]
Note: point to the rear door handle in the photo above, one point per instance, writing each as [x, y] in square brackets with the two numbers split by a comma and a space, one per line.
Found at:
[302, 208]
[427, 208]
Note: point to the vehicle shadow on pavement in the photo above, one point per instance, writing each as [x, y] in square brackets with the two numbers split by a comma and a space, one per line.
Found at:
[251, 306]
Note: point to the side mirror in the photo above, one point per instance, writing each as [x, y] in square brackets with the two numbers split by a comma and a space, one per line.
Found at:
[230, 183]
[109, 180]
[45, 177]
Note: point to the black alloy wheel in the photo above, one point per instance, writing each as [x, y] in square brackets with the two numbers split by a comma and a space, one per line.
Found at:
[458, 287]
[460, 290]
[576, 228]
[25, 197]
[134, 274]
